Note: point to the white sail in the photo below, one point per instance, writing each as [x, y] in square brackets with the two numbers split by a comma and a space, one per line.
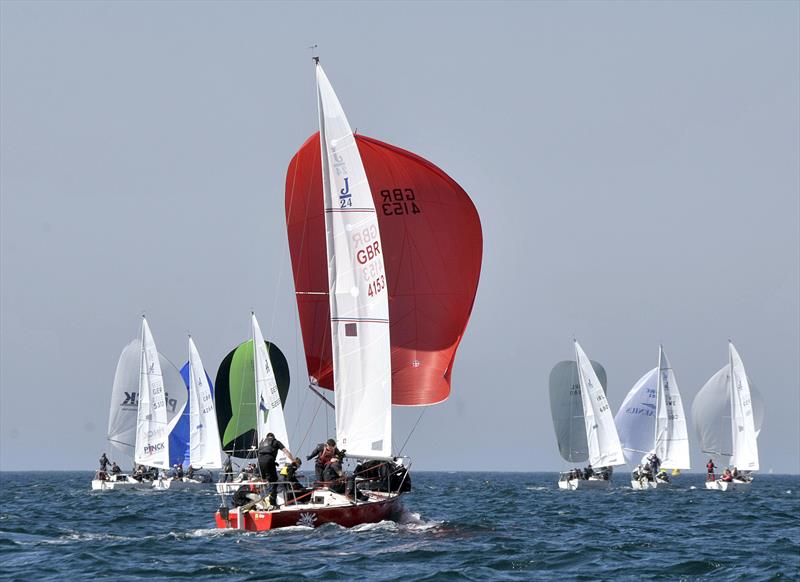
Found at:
[152, 432]
[601, 434]
[671, 436]
[635, 419]
[711, 413]
[269, 413]
[745, 445]
[357, 288]
[125, 396]
[566, 408]
[205, 449]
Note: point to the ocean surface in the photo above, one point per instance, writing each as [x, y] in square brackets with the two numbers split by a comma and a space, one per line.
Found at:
[457, 526]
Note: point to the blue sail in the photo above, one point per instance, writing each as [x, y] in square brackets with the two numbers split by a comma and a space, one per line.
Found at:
[179, 437]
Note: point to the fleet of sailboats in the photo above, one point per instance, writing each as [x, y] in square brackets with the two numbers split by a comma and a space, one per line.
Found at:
[376, 332]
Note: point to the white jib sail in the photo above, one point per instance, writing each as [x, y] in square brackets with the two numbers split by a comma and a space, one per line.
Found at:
[357, 288]
[152, 432]
[269, 412]
[205, 449]
[745, 445]
[671, 436]
[635, 419]
[601, 434]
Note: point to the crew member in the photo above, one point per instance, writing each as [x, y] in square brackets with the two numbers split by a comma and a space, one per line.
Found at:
[115, 470]
[103, 462]
[227, 469]
[334, 476]
[324, 453]
[267, 453]
[710, 466]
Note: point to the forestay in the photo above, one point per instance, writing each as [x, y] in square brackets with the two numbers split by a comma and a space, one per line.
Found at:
[566, 408]
[357, 288]
[269, 413]
[671, 437]
[125, 396]
[601, 434]
[635, 419]
[204, 444]
[152, 432]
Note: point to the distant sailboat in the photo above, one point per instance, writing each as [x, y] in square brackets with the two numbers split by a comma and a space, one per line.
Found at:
[124, 408]
[591, 415]
[728, 412]
[204, 445]
[651, 420]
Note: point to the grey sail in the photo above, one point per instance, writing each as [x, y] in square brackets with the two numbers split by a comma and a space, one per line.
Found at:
[566, 408]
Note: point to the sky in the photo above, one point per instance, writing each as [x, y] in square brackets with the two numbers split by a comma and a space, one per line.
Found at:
[635, 167]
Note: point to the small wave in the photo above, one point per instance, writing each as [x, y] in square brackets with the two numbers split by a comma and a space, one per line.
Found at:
[692, 488]
[537, 488]
[788, 492]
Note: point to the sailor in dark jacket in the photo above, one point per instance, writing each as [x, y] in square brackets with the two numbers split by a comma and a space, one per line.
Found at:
[324, 453]
[267, 454]
[104, 462]
[334, 476]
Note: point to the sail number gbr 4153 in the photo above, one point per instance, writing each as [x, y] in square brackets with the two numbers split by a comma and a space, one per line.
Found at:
[368, 254]
[399, 201]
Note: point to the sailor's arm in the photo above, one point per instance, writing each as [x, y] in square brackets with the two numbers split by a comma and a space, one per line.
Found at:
[288, 453]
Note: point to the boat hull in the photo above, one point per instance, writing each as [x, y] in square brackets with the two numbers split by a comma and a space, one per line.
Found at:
[177, 484]
[645, 485]
[720, 485]
[574, 484]
[378, 508]
[119, 485]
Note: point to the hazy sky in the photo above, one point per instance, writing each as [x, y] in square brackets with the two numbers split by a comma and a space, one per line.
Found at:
[635, 166]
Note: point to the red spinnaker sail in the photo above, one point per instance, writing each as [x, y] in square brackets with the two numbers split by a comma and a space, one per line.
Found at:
[432, 245]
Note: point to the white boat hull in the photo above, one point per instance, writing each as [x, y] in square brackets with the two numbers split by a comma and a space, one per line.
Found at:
[720, 485]
[645, 485]
[114, 484]
[175, 484]
[573, 484]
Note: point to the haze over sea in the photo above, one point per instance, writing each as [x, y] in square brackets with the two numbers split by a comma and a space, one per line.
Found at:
[457, 526]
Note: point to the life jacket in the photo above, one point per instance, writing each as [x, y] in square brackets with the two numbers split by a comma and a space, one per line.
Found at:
[326, 455]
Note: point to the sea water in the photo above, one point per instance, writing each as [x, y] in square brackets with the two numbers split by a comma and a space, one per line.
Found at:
[456, 526]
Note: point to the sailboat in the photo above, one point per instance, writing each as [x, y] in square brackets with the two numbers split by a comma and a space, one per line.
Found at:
[257, 413]
[386, 252]
[134, 379]
[583, 423]
[204, 451]
[728, 412]
[651, 421]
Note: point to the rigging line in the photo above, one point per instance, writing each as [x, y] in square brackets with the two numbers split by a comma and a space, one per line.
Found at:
[421, 414]
[310, 426]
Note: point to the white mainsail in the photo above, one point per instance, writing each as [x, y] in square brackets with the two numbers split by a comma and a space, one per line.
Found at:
[125, 396]
[671, 436]
[601, 434]
[745, 445]
[357, 288]
[635, 419]
[205, 449]
[713, 413]
[152, 432]
[269, 410]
